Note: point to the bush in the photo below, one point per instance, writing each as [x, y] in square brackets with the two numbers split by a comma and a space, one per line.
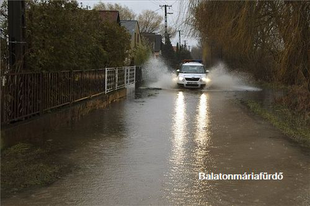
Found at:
[142, 54]
[60, 35]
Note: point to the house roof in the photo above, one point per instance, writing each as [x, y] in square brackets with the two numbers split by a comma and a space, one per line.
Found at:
[130, 25]
[110, 15]
[151, 37]
[154, 38]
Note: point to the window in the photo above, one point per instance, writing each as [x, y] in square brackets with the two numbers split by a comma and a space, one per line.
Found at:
[193, 69]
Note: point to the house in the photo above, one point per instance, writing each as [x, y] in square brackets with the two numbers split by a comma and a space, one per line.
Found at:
[132, 26]
[175, 48]
[110, 16]
[155, 42]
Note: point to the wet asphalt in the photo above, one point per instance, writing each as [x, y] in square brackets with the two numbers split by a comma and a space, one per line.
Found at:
[149, 149]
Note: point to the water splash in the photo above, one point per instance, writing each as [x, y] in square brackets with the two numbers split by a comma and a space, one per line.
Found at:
[157, 74]
[222, 79]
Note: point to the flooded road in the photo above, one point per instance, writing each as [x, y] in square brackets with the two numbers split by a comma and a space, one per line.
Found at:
[150, 148]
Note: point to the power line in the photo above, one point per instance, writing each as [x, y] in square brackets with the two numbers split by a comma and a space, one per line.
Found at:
[154, 2]
[157, 9]
[174, 2]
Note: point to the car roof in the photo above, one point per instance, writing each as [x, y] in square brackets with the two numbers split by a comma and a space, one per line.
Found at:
[193, 64]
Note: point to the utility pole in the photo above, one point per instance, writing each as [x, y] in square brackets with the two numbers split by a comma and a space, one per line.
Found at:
[179, 38]
[17, 34]
[166, 23]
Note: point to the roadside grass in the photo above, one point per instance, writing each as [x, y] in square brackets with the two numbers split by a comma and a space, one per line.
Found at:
[25, 165]
[285, 120]
[268, 85]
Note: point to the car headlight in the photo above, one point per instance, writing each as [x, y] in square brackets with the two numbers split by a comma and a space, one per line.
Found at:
[206, 79]
[181, 78]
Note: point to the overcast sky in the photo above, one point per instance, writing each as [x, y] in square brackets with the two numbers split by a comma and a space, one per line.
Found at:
[176, 20]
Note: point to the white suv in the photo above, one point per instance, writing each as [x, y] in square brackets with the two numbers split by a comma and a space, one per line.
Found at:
[192, 75]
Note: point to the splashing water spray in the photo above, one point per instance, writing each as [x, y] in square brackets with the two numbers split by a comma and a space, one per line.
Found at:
[157, 75]
[222, 79]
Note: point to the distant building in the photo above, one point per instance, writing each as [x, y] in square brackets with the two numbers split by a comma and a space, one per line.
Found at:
[132, 26]
[155, 42]
[110, 16]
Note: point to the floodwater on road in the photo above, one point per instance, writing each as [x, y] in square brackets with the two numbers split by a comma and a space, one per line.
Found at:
[150, 148]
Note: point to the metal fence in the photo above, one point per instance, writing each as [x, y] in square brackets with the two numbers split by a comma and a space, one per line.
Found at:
[24, 95]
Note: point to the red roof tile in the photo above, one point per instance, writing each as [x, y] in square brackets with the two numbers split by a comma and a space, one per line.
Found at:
[109, 15]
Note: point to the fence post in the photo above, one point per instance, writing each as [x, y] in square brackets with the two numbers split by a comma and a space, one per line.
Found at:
[2, 88]
[105, 80]
[134, 76]
[71, 82]
[41, 88]
[125, 76]
[116, 78]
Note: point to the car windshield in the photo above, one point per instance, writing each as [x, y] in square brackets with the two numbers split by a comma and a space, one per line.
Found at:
[192, 69]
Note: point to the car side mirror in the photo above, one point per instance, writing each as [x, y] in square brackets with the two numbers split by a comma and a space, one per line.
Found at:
[207, 71]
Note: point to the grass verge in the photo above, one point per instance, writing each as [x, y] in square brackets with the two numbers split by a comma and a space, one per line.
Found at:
[282, 118]
[25, 165]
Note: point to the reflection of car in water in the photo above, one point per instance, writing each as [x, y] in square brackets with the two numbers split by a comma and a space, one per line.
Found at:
[192, 74]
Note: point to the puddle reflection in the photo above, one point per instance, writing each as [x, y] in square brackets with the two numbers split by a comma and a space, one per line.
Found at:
[202, 136]
[179, 128]
[202, 121]
[189, 150]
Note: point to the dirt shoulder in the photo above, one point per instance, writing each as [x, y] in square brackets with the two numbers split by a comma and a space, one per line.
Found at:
[26, 165]
[290, 123]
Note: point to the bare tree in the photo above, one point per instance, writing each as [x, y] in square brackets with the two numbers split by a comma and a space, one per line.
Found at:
[170, 30]
[125, 12]
[149, 21]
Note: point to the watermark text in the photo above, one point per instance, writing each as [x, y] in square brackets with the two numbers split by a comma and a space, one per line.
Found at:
[243, 176]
